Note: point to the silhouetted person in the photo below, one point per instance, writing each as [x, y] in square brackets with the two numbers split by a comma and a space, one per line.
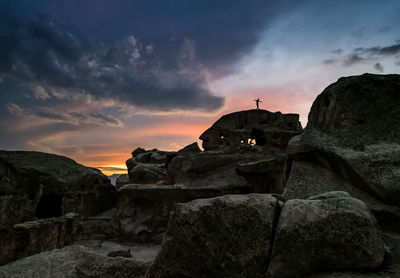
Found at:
[258, 103]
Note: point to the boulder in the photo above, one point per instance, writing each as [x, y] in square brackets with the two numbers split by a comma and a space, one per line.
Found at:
[265, 176]
[189, 149]
[147, 173]
[39, 185]
[122, 180]
[120, 253]
[267, 131]
[308, 179]
[145, 209]
[73, 262]
[228, 236]
[353, 132]
[323, 233]
[148, 166]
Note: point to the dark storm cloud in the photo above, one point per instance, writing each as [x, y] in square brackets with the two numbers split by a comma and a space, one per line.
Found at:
[365, 54]
[40, 52]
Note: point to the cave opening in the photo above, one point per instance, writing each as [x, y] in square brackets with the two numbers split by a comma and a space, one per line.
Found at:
[50, 205]
[258, 136]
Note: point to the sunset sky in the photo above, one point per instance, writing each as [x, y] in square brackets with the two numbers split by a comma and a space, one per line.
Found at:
[94, 79]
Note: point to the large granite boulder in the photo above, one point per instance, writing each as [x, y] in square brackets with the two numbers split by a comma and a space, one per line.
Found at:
[228, 236]
[239, 131]
[74, 262]
[353, 131]
[326, 232]
[39, 185]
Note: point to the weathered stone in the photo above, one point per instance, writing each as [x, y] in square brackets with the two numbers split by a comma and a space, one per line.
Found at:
[189, 149]
[145, 209]
[269, 131]
[73, 262]
[28, 238]
[120, 253]
[327, 234]
[265, 176]
[122, 180]
[149, 166]
[147, 173]
[39, 185]
[353, 131]
[228, 236]
[138, 151]
[210, 169]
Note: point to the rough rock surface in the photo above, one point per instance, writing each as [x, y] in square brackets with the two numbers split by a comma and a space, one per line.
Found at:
[73, 262]
[211, 169]
[265, 176]
[189, 149]
[28, 238]
[269, 131]
[325, 234]
[148, 166]
[122, 180]
[39, 185]
[353, 129]
[308, 179]
[228, 236]
[145, 209]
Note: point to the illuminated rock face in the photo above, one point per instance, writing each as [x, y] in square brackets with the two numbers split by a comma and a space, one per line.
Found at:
[252, 130]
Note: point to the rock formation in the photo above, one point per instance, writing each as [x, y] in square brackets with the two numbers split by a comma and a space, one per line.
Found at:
[39, 185]
[352, 143]
[239, 131]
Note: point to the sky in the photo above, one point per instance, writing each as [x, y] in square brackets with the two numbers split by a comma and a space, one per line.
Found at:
[95, 79]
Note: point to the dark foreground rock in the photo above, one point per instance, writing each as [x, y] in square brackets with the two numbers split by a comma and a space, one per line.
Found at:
[228, 236]
[39, 185]
[74, 262]
[327, 232]
[29, 238]
[145, 209]
[353, 131]
[252, 130]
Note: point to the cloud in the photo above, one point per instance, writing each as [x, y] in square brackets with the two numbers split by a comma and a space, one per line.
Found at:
[40, 93]
[14, 109]
[45, 55]
[365, 54]
[378, 67]
[71, 118]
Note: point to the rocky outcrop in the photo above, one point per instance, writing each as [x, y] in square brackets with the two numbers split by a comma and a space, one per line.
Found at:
[39, 185]
[353, 132]
[72, 262]
[257, 235]
[145, 209]
[265, 176]
[252, 130]
[26, 239]
[228, 236]
[189, 149]
[211, 170]
[327, 232]
[122, 180]
[148, 166]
